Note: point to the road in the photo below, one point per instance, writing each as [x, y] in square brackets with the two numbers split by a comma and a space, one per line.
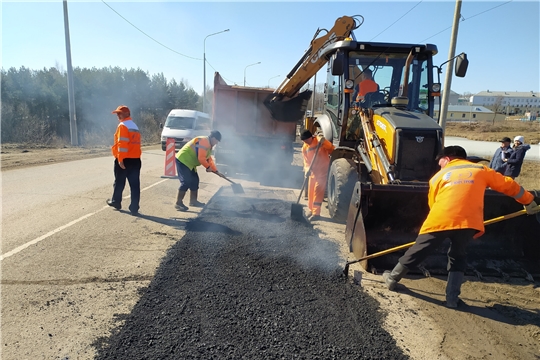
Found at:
[71, 264]
[74, 270]
[76, 274]
[487, 148]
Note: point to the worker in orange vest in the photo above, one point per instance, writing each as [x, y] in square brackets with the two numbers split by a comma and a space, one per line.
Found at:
[127, 160]
[318, 172]
[456, 202]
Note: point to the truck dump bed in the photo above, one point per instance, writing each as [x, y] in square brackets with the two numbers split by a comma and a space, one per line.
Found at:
[251, 136]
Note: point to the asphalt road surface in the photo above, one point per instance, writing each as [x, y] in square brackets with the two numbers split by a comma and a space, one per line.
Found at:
[238, 280]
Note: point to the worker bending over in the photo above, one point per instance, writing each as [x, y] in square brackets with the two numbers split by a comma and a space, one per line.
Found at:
[456, 202]
[196, 152]
[318, 172]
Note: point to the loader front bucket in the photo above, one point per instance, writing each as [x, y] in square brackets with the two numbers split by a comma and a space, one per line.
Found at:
[391, 215]
[290, 110]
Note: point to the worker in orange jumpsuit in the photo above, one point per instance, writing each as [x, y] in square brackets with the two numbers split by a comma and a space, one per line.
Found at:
[366, 85]
[456, 202]
[318, 172]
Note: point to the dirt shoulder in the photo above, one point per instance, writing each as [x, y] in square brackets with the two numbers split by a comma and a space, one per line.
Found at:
[16, 156]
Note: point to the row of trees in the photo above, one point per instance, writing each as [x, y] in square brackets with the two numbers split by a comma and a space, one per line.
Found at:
[35, 103]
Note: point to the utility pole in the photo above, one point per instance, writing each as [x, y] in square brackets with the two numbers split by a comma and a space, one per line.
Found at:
[71, 91]
[450, 68]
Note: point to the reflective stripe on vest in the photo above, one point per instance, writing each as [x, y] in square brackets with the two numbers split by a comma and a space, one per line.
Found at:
[520, 193]
[436, 177]
[195, 146]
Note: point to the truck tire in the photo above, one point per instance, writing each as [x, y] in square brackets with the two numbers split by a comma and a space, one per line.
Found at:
[341, 179]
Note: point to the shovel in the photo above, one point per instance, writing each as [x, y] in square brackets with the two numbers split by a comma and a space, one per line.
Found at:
[236, 187]
[408, 245]
[297, 211]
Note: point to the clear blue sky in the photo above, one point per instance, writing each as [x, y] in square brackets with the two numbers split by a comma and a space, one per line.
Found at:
[501, 39]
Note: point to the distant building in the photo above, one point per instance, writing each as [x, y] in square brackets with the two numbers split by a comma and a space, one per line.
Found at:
[454, 98]
[468, 113]
[507, 102]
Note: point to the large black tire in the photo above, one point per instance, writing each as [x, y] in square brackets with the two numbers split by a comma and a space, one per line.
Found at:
[341, 179]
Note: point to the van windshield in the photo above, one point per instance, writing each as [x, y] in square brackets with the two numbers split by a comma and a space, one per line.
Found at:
[179, 122]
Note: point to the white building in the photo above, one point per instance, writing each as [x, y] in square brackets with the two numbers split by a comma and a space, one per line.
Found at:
[508, 102]
[468, 113]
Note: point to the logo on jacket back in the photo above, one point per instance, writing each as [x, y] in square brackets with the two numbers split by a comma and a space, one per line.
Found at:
[419, 139]
[458, 177]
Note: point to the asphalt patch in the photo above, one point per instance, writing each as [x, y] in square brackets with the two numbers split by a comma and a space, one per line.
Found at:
[247, 282]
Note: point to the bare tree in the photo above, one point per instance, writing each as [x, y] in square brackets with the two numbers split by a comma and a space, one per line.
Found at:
[497, 107]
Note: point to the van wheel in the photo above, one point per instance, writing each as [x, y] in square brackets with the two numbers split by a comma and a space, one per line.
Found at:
[163, 147]
[341, 180]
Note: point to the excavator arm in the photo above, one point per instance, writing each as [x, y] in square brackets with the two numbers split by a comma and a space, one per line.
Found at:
[312, 61]
[285, 103]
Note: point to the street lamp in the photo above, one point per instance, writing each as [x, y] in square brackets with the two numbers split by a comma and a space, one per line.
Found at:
[204, 68]
[273, 77]
[257, 63]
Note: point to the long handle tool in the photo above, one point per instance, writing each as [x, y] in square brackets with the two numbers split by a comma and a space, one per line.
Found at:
[236, 187]
[297, 211]
[408, 245]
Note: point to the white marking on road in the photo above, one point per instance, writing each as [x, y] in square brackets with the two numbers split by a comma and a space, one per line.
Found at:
[50, 233]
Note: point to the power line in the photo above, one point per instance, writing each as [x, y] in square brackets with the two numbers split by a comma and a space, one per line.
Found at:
[463, 19]
[168, 48]
[229, 80]
[396, 20]
[174, 51]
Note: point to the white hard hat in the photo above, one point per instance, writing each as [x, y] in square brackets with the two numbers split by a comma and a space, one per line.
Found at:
[520, 139]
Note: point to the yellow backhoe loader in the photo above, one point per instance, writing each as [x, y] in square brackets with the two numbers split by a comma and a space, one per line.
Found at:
[386, 143]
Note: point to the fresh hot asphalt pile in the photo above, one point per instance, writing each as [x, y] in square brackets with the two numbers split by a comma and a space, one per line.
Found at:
[246, 282]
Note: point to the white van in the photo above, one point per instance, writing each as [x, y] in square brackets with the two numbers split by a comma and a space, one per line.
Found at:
[184, 125]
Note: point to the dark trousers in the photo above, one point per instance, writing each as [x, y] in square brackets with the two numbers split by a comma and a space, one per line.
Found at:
[132, 173]
[189, 179]
[428, 243]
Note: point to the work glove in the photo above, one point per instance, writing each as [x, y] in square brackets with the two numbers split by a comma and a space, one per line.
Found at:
[532, 208]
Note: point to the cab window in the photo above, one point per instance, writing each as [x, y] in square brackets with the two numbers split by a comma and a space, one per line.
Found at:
[203, 123]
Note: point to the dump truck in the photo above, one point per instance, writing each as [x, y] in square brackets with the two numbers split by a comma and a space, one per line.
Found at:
[250, 135]
[386, 144]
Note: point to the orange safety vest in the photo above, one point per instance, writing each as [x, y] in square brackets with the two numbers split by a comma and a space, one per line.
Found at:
[127, 141]
[366, 86]
[198, 151]
[320, 167]
[456, 196]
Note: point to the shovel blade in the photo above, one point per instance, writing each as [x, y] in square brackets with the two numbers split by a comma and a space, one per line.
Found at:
[297, 213]
[237, 188]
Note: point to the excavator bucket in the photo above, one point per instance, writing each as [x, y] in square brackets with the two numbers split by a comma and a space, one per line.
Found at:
[385, 216]
[291, 110]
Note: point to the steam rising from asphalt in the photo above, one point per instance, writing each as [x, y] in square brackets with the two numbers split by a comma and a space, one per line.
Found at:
[272, 232]
[252, 143]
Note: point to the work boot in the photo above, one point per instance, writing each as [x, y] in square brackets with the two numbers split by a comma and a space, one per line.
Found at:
[392, 278]
[193, 199]
[114, 204]
[179, 201]
[453, 288]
